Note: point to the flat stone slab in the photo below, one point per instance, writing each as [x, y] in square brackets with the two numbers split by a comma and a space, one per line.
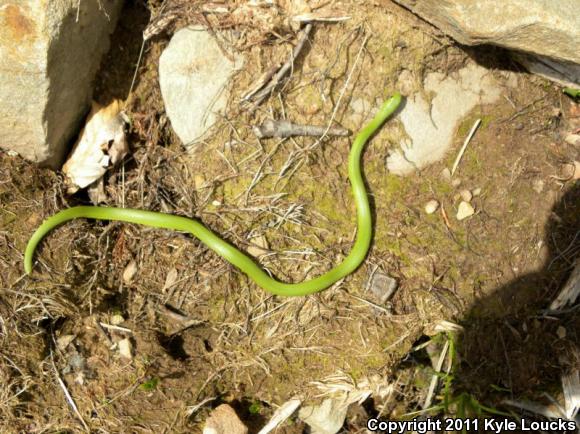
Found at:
[194, 74]
[431, 127]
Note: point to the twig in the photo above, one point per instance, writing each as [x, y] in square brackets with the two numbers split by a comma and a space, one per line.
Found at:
[435, 377]
[261, 95]
[284, 128]
[116, 328]
[464, 147]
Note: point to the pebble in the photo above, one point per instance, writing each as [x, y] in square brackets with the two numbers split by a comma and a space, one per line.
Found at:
[224, 420]
[476, 192]
[561, 332]
[431, 206]
[130, 271]
[466, 195]
[446, 174]
[464, 210]
[383, 286]
[456, 182]
[117, 319]
[63, 341]
[125, 348]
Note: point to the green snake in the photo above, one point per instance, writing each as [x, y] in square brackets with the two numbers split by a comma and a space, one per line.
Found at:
[228, 251]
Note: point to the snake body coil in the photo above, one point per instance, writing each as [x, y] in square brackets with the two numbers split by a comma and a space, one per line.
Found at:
[228, 251]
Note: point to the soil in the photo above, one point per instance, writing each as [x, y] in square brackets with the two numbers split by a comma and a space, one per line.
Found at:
[492, 274]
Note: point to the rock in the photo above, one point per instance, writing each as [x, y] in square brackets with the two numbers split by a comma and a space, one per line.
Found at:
[431, 206]
[446, 174]
[466, 195]
[50, 52]
[125, 348]
[431, 128]
[383, 286]
[456, 182]
[117, 319]
[193, 75]
[464, 210]
[326, 418]
[63, 341]
[130, 271]
[224, 420]
[476, 191]
[258, 246]
[561, 332]
[546, 31]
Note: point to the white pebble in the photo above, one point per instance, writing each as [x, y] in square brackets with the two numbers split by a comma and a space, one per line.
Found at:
[456, 182]
[466, 195]
[476, 192]
[446, 174]
[125, 348]
[464, 210]
[431, 206]
[130, 271]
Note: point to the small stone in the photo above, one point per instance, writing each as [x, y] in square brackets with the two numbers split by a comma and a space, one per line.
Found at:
[125, 348]
[446, 174]
[476, 192]
[464, 210]
[216, 203]
[431, 206]
[466, 195]
[383, 286]
[561, 332]
[258, 246]
[224, 420]
[194, 73]
[538, 185]
[456, 182]
[130, 271]
[63, 341]
[117, 319]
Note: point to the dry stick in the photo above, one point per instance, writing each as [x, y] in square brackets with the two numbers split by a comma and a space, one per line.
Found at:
[435, 378]
[261, 95]
[464, 147]
[284, 128]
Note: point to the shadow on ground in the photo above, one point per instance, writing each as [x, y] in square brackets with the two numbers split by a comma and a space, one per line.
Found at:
[510, 347]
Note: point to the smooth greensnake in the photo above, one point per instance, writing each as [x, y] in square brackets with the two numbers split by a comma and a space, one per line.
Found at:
[227, 250]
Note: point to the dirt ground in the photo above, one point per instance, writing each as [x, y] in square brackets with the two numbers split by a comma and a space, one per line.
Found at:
[203, 334]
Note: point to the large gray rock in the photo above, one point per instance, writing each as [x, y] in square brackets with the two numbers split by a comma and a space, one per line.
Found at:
[547, 29]
[194, 74]
[50, 52]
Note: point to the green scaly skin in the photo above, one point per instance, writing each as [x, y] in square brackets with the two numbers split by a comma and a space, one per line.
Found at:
[228, 251]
